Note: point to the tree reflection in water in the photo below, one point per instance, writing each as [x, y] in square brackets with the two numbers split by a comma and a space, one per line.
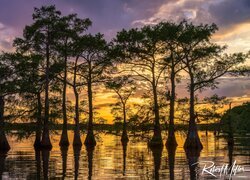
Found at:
[38, 163]
[45, 157]
[3, 156]
[77, 151]
[133, 160]
[64, 154]
[90, 151]
[230, 146]
[124, 151]
[171, 160]
[193, 157]
[157, 154]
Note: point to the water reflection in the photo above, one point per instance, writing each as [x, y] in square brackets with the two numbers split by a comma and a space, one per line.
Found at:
[124, 153]
[171, 160]
[193, 159]
[45, 157]
[38, 163]
[230, 155]
[64, 154]
[2, 164]
[111, 159]
[90, 151]
[157, 154]
[77, 150]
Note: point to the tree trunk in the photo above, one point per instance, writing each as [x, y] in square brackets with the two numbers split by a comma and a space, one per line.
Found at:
[156, 139]
[64, 141]
[77, 138]
[45, 143]
[171, 141]
[124, 129]
[4, 145]
[90, 138]
[37, 143]
[192, 140]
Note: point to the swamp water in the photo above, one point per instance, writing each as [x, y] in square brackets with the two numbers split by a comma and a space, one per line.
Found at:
[111, 159]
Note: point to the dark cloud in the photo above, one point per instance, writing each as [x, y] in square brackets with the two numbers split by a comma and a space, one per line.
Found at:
[231, 12]
[108, 16]
[225, 13]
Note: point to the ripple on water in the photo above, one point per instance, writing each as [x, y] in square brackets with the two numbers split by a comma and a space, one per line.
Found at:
[111, 160]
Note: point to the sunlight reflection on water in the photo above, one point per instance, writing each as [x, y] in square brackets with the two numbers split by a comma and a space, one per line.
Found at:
[112, 160]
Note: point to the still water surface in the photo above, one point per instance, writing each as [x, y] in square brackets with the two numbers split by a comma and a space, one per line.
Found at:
[112, 160]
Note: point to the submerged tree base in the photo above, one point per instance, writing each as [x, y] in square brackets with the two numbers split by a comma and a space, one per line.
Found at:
[171, 141]
[64, 141]
[90, 139]
[4, 144]
[45, 143]
[157, 138]
[77, 142]
[230, 141]
[37, 144]
[156, 141]
[193, 142]
[46, 146]
[124, 137]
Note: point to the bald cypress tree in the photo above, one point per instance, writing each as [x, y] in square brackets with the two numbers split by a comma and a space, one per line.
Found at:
[124, 87]
[93, 50]
[6, 88]
[29, 86]
[141, 51]
[205, 63]
[70, 28]
[40, 38]
[170, 33]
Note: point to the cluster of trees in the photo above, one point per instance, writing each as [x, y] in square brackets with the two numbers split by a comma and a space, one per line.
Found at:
[56, 53]
[241, 114]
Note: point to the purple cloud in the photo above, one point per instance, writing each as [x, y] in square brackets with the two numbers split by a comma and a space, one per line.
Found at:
[110, 16]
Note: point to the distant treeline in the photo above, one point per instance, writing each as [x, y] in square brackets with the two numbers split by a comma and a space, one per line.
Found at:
[108, 127]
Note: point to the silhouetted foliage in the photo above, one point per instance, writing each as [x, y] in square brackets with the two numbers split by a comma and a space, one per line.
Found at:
[124, 87]
[55, 54]
[238, 117]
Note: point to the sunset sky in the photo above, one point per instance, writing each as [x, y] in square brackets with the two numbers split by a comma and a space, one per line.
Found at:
[110, 16]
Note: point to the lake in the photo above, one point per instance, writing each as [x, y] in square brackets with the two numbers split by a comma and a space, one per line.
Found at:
[112, 160]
